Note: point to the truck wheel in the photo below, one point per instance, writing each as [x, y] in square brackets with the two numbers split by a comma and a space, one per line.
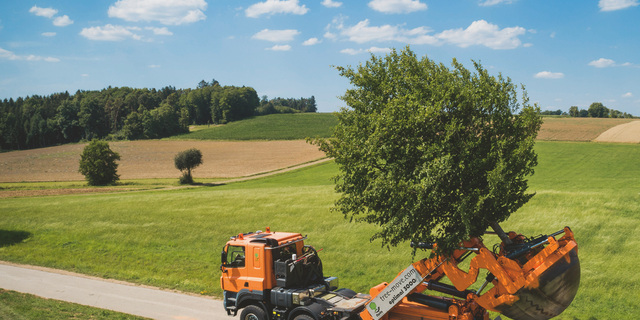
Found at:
[253, 312]
[303, 317]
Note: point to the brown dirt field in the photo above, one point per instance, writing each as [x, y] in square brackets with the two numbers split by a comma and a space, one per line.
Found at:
[154, 159]
[576, 129]
[627, 132]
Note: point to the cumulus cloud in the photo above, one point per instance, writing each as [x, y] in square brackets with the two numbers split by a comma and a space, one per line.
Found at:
[279, 47]
[50, 13]
[397, 6]
[331, 3]
[549, 75]
[483, 33]
[478, 33]
[271, 7]
[9, 55]
[62, 21]
[488, 3]
[168, 12]
[602, 63]
[43, 12]
[311, 42]
[351, 51]
[613, 5]
[628, 95]
[160, 31]
[276, 35]
[110, 33]
[363, 32]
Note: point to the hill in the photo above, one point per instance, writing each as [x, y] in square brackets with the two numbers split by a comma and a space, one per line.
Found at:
[295, 126]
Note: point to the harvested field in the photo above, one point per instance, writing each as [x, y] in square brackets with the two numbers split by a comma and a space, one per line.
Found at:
[627, 132]
[154, 159]
[576, 129]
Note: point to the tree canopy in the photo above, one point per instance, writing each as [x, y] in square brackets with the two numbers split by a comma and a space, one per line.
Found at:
[429, 153]
[186, 161]
[98, 163]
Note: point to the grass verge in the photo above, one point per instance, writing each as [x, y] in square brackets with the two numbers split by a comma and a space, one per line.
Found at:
[172, 238]
[21, 306]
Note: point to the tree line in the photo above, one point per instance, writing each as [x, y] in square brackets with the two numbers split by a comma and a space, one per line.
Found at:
[595, 110]
[128, 113]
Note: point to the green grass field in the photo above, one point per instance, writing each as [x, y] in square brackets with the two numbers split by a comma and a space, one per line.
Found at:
[294, 126]
[173, 238]
[20, 306]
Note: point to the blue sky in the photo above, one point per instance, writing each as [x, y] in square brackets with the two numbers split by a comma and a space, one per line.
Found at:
[565, 52]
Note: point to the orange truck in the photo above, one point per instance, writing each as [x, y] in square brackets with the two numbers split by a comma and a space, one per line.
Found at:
[274, 276]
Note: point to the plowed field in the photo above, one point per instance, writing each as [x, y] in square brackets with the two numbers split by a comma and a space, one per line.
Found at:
[154, 159]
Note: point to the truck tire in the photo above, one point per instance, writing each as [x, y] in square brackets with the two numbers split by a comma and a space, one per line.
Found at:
[303, 317]
[253, 312]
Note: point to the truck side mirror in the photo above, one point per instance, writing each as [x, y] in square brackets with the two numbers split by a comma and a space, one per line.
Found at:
[223, 257]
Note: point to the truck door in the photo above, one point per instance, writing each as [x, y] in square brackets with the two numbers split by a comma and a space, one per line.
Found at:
[233, 268]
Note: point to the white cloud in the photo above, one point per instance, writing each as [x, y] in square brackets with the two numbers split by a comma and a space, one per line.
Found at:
[351, 51]
[48, 34]
[488, 3]
[168, 12]
[397, 6]
[154, 66]
[9, 55]
[311, 42]
[109, 33]
[270, 7]
[628, 95]
[478, 33]
[160, 31]
[549, 75]
[602, 63]
[481, 32]
[362, 32]
[43, 12]
[50, 13]
[62, 21]
[331, 3]
[276, 35]
[278, 47]
[612, 5]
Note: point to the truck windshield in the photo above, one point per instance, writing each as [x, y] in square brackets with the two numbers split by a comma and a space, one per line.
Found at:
[235, 256]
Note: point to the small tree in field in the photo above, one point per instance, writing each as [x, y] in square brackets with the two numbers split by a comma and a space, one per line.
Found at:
[429, 153]
[186, 161]
[98, 164]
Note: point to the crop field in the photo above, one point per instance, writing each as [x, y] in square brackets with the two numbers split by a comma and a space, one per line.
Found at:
[172, 238]
[153, 159]
[576, 129]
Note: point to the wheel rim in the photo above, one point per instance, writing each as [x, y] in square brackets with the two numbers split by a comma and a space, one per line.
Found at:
[252, 316]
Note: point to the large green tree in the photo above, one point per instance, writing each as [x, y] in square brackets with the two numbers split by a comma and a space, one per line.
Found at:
[429, 153]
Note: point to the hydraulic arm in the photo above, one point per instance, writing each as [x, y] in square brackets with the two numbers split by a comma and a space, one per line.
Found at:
[529, 279]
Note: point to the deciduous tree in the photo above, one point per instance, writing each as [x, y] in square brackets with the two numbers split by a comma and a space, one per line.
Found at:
[429, 153]
[98, 163]
[186, 161]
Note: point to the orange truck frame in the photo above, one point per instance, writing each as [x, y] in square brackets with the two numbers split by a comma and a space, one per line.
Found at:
[273, 275]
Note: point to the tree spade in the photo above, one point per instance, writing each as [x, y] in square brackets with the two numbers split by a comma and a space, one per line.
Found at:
[98, 164]
[186, 161]
[429, 153]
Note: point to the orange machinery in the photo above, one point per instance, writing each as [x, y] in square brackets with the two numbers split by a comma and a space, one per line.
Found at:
[274, 276]
[531, 279]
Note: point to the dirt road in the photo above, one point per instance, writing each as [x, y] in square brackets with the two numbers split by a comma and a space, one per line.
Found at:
[113, 295]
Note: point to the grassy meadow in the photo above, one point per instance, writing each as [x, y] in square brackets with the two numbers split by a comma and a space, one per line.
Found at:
[293, 126]
[172, 238]
[21, 306]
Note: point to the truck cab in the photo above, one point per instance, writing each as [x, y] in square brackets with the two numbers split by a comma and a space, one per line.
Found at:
[274, 275]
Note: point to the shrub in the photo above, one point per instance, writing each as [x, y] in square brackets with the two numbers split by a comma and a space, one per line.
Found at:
[98, 164]
[186, 161]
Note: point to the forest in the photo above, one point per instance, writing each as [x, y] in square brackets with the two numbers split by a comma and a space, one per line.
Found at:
[129, 114]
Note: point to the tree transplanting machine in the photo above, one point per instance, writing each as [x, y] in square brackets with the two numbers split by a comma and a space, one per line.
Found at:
[274, 276]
